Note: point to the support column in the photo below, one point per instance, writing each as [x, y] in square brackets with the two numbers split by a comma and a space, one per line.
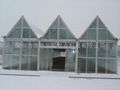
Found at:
[76, 61]
[3, 53]
[117, 59]
[38, 59]
[20, 54]
[96, 60]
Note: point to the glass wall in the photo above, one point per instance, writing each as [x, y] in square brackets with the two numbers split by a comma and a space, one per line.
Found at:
[12, 54]
[58, 30]
[21, 55]
[107, 62]
[105, 57]
[47, 56]
[87, 57]
[29, 55]
[21, 30]
[18, 51]
[97, 50]
[70, 60]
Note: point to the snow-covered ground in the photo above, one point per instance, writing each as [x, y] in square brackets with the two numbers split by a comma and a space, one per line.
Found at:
[47, 80]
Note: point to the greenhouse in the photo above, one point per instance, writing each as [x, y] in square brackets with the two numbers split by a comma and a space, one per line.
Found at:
[27, 48]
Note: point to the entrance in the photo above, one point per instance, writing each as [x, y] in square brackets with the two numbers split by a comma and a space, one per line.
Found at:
[58, 64]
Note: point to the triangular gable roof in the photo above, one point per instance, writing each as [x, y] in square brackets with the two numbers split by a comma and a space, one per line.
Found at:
[91, 31]
[58, 30]
[22, 27]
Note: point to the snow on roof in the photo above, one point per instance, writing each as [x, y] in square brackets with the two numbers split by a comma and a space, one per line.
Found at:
[36, 30]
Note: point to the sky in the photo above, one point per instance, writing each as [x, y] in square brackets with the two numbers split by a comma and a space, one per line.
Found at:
[77, 14]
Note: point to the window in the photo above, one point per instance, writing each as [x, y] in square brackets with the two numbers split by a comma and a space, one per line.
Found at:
[102, 49]
[91, 34]
[111, 65]
[25, 63]
[82, 64]
[91, 49]
[101, 66]
[91, 65]
[33, 62]
[82, 49]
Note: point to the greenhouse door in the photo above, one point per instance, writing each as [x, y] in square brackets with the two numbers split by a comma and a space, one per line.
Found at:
[58, 64]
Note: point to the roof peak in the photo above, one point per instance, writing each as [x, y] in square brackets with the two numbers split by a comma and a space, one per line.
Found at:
[58, 17]
[22, 17]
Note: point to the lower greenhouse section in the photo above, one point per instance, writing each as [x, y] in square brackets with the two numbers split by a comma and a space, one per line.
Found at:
[97, 57]
[90, 65]
[48, 59]
[14, 62]
[60, 60]
[86, 59]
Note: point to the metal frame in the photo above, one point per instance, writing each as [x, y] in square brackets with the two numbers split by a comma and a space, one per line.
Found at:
[58, 41]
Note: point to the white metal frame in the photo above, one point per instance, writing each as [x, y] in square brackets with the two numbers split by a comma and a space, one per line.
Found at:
[58, 45]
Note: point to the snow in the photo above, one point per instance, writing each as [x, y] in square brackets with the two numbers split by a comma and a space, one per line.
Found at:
[51, 80]
[36, 30]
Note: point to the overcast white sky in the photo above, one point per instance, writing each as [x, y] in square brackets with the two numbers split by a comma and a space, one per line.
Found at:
[77, 14]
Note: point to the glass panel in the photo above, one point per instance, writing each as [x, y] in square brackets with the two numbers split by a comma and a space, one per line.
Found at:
[17, 33]
[25, 63]
[15, 62]
[8, 47]
[70, 35]
[102, 34]
[111, 50]
[111, 66]
[91, 34]
[47, 35]
[45, 57]
[91, 49]
[70, 62]
[7, 61]
[32, 35]
[18, 24]
[16, 47]
[63, 34]
[25, 49]
[62, 24]
[82, 65]
[101, 65]
[101, 25]
[84, 36]
[33, 62]
[91, 65]
[102, 49]
[25, 24]
[109, 35]
[26, 33]
[33, 48]
[54, 25]
[10, 34]
[53, 33]
[93, 24]
[82, 50]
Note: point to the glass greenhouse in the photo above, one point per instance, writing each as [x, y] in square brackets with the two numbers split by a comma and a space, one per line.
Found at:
[58, 49]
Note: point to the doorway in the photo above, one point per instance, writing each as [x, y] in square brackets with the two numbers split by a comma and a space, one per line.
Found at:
[58, 64]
